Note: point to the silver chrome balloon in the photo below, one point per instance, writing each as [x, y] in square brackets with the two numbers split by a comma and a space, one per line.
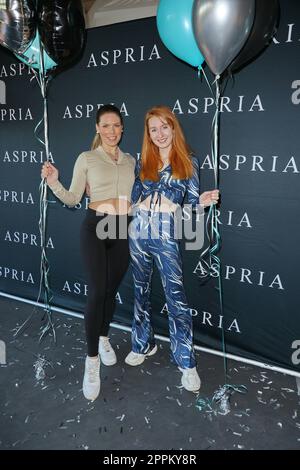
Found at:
[17, 24]
[221, 28]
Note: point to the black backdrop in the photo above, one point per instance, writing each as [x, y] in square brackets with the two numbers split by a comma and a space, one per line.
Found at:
[127, 64]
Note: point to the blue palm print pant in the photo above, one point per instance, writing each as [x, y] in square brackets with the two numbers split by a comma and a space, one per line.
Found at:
[152, 239]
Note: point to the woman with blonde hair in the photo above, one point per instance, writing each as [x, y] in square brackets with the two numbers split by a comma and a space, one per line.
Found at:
[109, 174]
[165, 174]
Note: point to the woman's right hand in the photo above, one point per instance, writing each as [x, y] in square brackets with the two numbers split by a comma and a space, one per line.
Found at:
[49, 172]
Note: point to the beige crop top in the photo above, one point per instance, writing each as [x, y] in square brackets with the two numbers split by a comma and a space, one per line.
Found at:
[107, 179]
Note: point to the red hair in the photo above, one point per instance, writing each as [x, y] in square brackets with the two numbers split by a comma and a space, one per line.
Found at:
[180, 155]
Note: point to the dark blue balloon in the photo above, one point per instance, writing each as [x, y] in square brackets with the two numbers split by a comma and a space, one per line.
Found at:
[264, 28]
[61, 27]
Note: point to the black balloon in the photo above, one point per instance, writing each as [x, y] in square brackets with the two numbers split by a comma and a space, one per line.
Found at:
[62, 29]
[17, 24]
[264, 28]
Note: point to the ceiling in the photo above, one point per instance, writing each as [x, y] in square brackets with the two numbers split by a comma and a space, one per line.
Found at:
[104, 12]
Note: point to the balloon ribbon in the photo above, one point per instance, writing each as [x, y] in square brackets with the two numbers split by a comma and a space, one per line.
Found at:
[43, 81]
[213, 265]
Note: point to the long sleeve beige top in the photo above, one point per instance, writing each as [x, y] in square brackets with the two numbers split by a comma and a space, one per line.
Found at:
[107, 179]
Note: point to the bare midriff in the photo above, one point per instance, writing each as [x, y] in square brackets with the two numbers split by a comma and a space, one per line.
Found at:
[119, 206]
[122, 206]
[165, 204]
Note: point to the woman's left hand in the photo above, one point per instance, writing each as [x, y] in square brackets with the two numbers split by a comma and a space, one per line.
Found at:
[209, 197]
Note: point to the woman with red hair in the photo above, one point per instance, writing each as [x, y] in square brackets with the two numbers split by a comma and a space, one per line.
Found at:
[164, 175]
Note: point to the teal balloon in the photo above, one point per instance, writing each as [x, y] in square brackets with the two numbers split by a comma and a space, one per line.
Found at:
[175, 26]
[31, 56]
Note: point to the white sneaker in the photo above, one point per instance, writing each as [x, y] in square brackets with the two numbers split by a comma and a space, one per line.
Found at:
[190, 379]
[91, 379]
[135, 359]
[107, 354]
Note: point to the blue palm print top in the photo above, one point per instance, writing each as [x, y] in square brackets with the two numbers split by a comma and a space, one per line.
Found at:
[172, 188]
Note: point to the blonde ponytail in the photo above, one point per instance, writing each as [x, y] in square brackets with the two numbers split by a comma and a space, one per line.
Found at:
[96, 142]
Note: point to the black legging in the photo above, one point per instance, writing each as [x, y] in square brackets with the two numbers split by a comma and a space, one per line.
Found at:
[106, 261]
